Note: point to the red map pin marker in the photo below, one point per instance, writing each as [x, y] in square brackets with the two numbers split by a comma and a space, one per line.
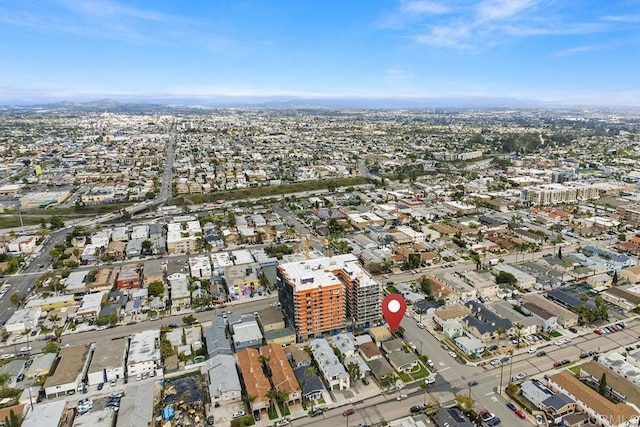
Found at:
[393, 308]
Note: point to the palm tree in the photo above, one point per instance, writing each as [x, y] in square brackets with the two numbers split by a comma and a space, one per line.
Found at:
[4, 379]
[249, 398]
[519, 327]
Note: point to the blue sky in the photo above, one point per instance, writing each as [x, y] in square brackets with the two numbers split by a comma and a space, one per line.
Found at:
[567, 51]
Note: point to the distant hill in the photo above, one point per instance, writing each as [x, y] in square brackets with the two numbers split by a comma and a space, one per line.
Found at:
[172, 104]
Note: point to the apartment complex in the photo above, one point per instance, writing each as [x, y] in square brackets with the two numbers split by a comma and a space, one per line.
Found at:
[319, 295]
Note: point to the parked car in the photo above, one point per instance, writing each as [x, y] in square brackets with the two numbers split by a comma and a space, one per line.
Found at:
[238, 414]
[316, 412]
[520, 376]
[574, 330]
[283, 422]
[416, 409]
[420, 325]
[452, 354]
[401, 397]
[100, 386]
[472, 383]
[19, 378]
[210, 420]
[348, 412]
[429, 380]
[520, 414]
[511, 406]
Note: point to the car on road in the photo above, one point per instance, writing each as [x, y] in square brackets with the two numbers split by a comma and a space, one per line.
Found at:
[33, 333]
[283, 422]
[316, 412]
[429, 380]
[420, 325]
[559, 363]
[574, 330]
[521, 376]
[511, 406]
[472, 383]
[348, 412]
[541, 353]
[100, 386]
[430, 363]
[486, 415]
[452, 354]
[520, 414]
[412, 345]
[210, 420]
[493, 347]
[416, 409]
[401, 397]
[584, 355]
[531, 350]
[19, 378]
[238, 414]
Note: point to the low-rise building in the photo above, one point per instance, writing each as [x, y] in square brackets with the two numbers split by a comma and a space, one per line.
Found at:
[215, 337]
[246, 333]
[255, 381]
[144, 352]
[69, 372]
[224, 382]
[605, 412]
[282, 376]
[330, 367]
[107, 362]
[23, 319]
[565, 318]
[90, 308]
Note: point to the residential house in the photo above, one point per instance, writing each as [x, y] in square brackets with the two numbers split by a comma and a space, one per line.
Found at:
[255, 382]
[330, 367]
[281, 373]
[605, 412]
[224, 382]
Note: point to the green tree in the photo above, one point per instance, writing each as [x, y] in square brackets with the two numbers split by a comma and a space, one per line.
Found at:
[189, 320]
[155, 289]
[56, 222]
[354, 371]
[13, 420]
[50, 347]
[5, 377]
[425, 285]
[146, 246]
[602, 387]
[15, 299]
[465, 402]
[505, 277]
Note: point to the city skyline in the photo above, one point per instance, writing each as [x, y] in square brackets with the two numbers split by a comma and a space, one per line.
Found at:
[531, 51]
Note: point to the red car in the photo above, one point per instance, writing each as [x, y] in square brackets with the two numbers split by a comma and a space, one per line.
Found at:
[349, 412]
[520, 413]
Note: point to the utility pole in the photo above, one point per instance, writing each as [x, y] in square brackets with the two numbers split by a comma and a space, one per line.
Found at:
[500, 385]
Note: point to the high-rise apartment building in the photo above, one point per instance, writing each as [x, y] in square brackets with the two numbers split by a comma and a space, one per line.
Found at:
[327, 294]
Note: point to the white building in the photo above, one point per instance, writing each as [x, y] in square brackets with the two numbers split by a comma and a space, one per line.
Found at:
[107, 363]
[331, 369]
[415, 236]
[144, 352]
[91, 306]
[140, 232]
[21, 320]
[200, 267]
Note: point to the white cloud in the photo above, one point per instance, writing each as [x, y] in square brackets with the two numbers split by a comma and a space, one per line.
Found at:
[494, 10]
[420, 7]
